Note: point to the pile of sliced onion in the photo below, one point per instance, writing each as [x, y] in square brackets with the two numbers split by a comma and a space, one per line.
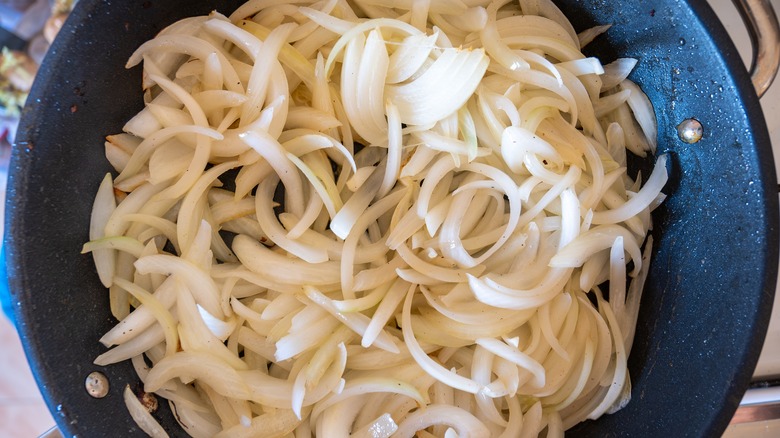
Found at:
[377, 218]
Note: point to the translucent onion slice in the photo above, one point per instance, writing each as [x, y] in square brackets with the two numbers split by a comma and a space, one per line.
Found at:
[345, 219]
[362, 86]
[641, 200]
[616, 72]
[135, 346]
[494, 294]
[588, 35]
[394, 150]
[156, 308]
[260, 78]
[594, 240]
[289, 56]
[327, 195]
[516, 142]
[119, 148]
[607, 104]
[102, 209]
[196, 365]
[617, 281]
[548, 9]
[512, 354]
[366, 385]
[643, 111]
[146, 147]
[200, 284]
[274, 266]
[584, 66]
[141, 318]
[463, 422]
[355, 321]
[278, 423]
[430, 366]
[446, 84]
[634, 296]
[219, 328]
[188, 45]
[496, 47]
[407, 59]
[141, 415]
[274, 153]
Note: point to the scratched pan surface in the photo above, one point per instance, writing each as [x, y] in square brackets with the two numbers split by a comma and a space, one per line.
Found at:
[709, 293]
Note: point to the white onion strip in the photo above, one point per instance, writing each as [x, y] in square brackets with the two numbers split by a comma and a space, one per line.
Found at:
[141, 415]
[643, 198]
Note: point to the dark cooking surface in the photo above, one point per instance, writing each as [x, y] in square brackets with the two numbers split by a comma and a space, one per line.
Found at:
[709, 292]
[698, 317]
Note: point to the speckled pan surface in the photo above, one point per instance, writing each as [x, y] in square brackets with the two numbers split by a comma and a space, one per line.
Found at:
[709, 293]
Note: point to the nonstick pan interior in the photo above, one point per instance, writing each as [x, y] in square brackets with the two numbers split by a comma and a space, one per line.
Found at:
[708, 296]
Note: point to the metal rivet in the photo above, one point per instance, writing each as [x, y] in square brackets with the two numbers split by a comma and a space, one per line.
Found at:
[97, 384]
[690, 130]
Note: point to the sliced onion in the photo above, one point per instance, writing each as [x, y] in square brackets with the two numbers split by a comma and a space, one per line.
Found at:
[272, 151]
[445, 85]
[275, 267]
[394, 150]
[156, 308]
[489, 174]
[426, 363]
[616, 72]
[409, 57]
[594, 240]
[102, 209]
[643, 111]
[358, 386]
[642, 200]
[141, 415]
[194, 365]
[586, 36]
[355, 321]
[464, 422]
[362, 78]
[273, 424]
[198, 282]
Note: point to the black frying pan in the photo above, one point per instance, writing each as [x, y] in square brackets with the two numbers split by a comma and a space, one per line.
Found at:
[709, 293]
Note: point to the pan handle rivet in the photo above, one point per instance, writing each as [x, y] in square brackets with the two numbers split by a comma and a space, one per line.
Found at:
[97, 384]
[690, 130]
